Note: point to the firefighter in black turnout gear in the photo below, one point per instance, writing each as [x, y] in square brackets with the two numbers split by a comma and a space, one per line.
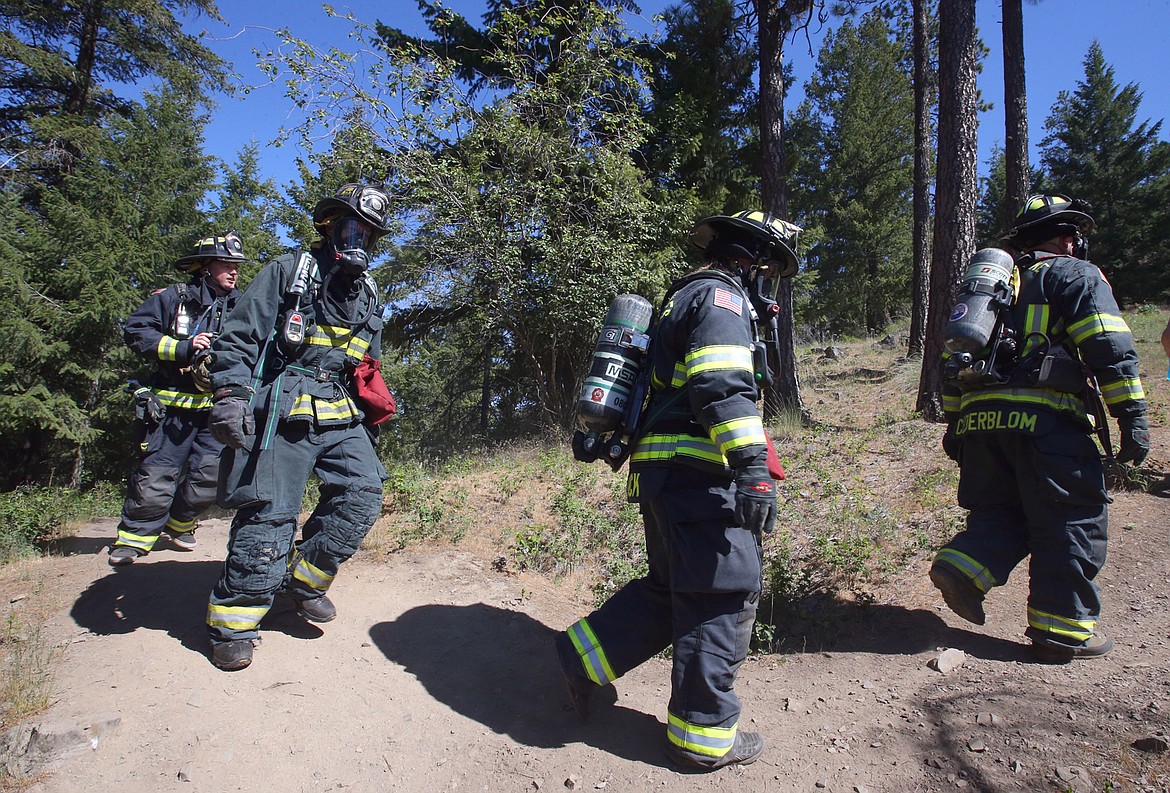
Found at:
[700, 471]
[176, 476]
[288, 403]
[1031, 476]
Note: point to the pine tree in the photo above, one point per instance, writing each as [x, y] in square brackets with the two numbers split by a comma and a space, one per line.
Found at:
[856, 180]
[1096, 150]
[248, 205]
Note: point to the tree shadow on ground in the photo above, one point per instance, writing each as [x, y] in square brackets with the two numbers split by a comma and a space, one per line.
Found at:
[851, 627]
[167, 596]
[499, 668]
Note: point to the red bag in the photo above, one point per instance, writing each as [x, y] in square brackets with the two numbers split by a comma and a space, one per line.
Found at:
[774, 466]
[377, 401]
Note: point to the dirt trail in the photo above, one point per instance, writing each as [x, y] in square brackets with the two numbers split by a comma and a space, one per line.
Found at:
[439, 675]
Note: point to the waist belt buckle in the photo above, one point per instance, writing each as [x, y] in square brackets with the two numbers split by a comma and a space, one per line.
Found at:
[323, 376]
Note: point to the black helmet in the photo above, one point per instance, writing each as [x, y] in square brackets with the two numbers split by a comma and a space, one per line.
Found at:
[227, 248]
[1043, 217]
[753, 234]
[367, 202]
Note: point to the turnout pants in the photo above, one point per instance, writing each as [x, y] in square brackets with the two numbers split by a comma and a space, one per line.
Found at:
[700, 594]
[266, 487]
[1041, 495]
[175, 480]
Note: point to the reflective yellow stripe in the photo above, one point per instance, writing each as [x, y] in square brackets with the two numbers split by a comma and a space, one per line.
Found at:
[330, 336]
[183, 399]
[168, 348]
[180, 526]
[308, 406]
[235, 618]
[952, 403]
[737, 433]
[592, 656]
[1123, 390]
[1044, 397]
[1035, 323]
[1077, 630]
[679, 377]
[143, 542]
[978, 575]
[665, 447]
[311, 576]
[1096, 325]
[707, 741]
[718, 357]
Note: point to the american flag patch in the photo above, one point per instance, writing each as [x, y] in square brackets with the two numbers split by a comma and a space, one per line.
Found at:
[729, 301]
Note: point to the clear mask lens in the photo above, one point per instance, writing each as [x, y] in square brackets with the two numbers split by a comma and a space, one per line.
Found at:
[351, 233]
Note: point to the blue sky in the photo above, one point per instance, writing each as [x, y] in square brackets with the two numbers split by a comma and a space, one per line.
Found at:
[1057, 34]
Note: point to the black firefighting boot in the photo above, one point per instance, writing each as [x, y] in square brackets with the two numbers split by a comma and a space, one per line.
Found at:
[746, 750]
[233, 655]
[121, 555]
[961, 596]
[318, 609]
[1049, 649]
[580, 688]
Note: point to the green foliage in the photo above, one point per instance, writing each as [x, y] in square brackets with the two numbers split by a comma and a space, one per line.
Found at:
[33, 517]
[248, 204]
[853, 177]
[1097, 151]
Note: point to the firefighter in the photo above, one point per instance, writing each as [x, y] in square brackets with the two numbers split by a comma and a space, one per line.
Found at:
[1031, 476]
[287, 372]
[699, 471]
[176, 476]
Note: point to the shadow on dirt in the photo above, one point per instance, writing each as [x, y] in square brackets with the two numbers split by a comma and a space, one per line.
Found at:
[168, 596]
[499, 668]
[891, 630]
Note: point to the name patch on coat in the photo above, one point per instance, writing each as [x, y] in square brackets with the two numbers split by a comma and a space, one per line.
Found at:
[731, 302]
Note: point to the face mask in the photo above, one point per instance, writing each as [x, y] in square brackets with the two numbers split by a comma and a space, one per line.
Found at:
[353, 240]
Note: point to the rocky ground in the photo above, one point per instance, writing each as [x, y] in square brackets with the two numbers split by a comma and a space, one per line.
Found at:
[439, 674]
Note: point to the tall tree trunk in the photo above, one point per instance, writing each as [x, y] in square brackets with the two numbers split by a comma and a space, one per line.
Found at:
[956, 193]
[774, 20]
[1015, 102]
[87, 36]
[919, 295]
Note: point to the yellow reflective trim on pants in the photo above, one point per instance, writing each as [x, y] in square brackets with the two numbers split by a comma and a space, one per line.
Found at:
[168, 348]
[235, 618]
[1077, 630]
[589, 650]
[972, 570]
[180, 526]
[143, 542]
[707, 741]
[311, 576]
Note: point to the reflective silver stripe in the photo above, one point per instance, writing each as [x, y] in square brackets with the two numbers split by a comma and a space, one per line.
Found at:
[181, 526]
[182, 399]
[592, 656]
[718, 357]
[979, 575]
[743, 431]
[235, 618]
[311, 576]
[1078, 630]
[707, 741]
[142, 542]
[168, 348]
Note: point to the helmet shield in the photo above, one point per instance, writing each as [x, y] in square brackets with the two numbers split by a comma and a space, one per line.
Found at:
[367, 202]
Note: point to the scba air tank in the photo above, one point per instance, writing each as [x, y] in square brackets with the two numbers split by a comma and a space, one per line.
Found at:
[985, 289]
[613, 371]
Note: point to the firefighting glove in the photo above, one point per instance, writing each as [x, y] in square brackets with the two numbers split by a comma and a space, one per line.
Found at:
[952, 444]
[1135, 439]
[231, 420]
[755, 495]
[147, 407]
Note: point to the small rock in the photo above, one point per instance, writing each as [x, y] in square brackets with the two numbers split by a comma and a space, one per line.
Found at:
[987, 720]
[185, 773]
[572, 781]
[1016, 766]
[976, 745]
[860, 789]
[947, 661]
[17, 598]
[1151, 743]
[822, 784]
[196, 700]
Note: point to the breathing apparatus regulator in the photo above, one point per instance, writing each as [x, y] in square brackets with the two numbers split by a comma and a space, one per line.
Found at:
[611, 406]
